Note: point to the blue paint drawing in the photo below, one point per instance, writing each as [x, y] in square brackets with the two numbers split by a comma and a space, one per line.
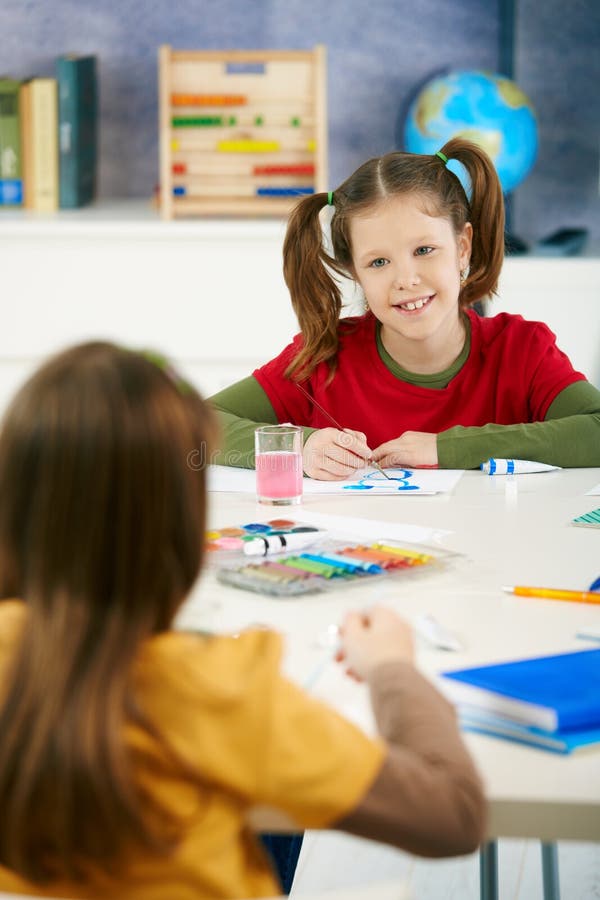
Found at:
[374, 480]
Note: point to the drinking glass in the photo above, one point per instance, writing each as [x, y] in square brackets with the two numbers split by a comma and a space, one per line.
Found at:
[278, 464]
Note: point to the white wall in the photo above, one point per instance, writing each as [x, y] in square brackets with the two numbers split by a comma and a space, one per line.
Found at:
[210, 293]
[563, 293]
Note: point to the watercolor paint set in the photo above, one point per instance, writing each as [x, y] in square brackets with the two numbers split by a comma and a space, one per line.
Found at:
[261, 538]
[328, 565]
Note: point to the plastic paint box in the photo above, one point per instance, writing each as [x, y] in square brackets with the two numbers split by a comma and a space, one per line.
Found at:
[328, 565]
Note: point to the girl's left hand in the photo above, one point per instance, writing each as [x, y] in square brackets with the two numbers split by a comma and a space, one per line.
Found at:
[412, 448]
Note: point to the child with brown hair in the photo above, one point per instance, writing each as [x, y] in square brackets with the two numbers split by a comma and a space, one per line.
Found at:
[131, 754]
[420, 379]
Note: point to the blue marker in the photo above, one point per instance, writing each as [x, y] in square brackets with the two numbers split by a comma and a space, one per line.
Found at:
[514, 467]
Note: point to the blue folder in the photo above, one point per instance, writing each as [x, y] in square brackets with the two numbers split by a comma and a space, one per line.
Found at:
[547, 692]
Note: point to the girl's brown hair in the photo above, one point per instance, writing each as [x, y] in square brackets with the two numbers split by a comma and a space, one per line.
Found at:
[102, 520]
[309, 269]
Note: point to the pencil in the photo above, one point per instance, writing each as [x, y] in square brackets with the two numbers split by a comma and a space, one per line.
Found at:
[337, 425]
[554, 594]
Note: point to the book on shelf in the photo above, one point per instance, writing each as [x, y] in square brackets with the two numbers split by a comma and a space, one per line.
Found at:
[26, 143]
[77, 129]
[558, 692]
[11, 179]
[39, 128]
[561, 741]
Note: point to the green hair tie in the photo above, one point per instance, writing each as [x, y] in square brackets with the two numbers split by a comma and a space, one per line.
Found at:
[442, 156]
[329, 198]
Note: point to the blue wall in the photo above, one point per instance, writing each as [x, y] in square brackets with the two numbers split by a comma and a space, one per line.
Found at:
[378, 52]
[557, 63]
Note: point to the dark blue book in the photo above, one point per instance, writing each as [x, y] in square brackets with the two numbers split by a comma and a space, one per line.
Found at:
[560, 692]
[77, 129]
[564, 742]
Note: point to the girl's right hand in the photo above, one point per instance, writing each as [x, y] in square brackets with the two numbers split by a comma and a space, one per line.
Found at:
[332, 455]
[369, 639]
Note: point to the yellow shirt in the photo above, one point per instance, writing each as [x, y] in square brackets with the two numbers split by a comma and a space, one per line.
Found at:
[241, 735]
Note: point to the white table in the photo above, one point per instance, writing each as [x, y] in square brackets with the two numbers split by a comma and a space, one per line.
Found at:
[509, 530]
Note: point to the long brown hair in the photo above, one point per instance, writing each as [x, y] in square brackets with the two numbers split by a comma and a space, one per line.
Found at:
[101, 534]
[309, 269]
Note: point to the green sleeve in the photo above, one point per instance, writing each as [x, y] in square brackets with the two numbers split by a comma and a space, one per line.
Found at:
[241, 408]
[569, 436]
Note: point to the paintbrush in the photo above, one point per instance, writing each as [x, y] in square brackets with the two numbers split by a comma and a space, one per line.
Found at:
[337, 425]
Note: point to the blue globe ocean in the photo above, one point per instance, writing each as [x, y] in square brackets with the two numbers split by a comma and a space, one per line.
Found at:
[488, 109]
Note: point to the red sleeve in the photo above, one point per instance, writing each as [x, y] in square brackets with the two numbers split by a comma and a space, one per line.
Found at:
[548, 369]
[289, 403]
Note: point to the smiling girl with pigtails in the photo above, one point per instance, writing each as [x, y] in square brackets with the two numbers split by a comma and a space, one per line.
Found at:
[419, 379]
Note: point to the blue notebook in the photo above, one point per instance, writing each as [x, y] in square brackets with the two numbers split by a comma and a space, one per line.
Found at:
[548, 692]
[564, 742]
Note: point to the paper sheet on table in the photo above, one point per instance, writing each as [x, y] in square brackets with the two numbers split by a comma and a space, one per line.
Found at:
[594, 490]
[366, 481]
[373, 529]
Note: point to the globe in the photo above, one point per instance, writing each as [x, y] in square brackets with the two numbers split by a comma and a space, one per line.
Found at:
[486, 108]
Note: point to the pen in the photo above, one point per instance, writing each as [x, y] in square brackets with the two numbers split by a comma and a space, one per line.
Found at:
[425, 626]
[554, 594]
[435, 634]
[337, 425]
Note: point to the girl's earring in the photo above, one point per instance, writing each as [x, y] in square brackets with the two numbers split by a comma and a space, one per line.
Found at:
[464, 274]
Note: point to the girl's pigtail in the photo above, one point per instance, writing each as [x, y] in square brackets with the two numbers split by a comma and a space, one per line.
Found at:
[316, 296]
[486, 205]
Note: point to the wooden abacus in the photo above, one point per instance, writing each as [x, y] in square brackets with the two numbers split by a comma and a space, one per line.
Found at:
[242, 132]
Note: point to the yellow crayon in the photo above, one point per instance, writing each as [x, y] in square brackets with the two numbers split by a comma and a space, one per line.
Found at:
[402, 551]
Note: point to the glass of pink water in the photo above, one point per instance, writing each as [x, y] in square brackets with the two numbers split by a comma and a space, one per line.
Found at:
[278, 464]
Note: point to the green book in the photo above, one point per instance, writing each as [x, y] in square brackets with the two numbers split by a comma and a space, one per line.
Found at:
[11, 179]
[77, 129]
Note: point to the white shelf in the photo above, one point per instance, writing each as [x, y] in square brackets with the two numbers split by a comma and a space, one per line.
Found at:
[137, 216]
[133, 218]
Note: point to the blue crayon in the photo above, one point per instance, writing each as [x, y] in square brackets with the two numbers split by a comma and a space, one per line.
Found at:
[351, 565]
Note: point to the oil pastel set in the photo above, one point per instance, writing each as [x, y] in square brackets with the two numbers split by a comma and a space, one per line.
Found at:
[327, 564]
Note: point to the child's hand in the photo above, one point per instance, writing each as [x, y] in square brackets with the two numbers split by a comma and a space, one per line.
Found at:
[369, 639]
[332, 455]
[412, 448]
